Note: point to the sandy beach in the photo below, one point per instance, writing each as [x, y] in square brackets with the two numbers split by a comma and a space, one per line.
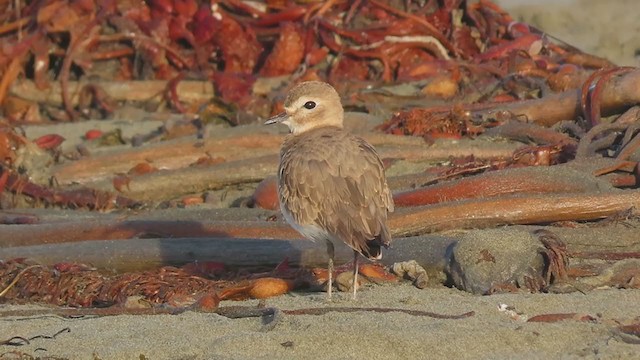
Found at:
[603, 28]
[488, 334]
[609, 29]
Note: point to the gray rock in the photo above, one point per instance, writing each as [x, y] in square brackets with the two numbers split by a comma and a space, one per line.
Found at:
[488, 261]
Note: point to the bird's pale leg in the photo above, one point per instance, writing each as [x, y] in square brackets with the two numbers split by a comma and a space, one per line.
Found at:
[330, 252]
[355, 274]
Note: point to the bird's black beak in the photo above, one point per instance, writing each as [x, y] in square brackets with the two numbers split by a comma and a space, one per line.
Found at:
[277, 119]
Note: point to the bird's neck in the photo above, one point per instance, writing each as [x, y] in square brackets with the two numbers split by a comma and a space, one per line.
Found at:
[305, 128]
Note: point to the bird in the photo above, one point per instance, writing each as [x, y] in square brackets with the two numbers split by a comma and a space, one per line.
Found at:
[331, 183]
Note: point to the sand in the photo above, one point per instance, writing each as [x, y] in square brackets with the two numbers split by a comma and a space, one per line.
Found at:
[489, 333]
[607, 28]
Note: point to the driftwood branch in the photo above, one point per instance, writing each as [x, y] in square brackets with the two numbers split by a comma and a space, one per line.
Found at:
[531, 209]
[249, 158]
[621, 92]
[166, 155]
[430, 251]
[529, 180]
[113, 229]
[189, 90]
[247, 144]
[170, 184]
[476, 213]
[142, 254]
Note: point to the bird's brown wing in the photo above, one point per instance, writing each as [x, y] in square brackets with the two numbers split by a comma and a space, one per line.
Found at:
[336, 182]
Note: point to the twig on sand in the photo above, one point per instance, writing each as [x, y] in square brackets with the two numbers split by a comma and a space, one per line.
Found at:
[271, 315]
[323, 311]
[275, 314]
[20, 341]
[550, 318]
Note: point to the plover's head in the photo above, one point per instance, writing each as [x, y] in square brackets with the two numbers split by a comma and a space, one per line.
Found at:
[310, 105]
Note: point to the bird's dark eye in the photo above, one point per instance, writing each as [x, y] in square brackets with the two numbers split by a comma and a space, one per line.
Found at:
[309, 105]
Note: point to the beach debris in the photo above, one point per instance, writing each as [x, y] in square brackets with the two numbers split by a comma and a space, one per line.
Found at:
[272, 316]
[164, 295]
[370, 273]
[288, 344]
[82, 286]
[325, 310]
[49, 141]
[509, 210]
[377, 273]
[511, 311]
[545, 318]
[450, 45]
[344, 281]
[15, 279]
[453, 186]
[266, 194]
[70, 198]
[413, 271]
[78, 285]
[497, 260]
[451, 74]
[72, 284]
[622, 274]
[551, 318]
[556, 256]
[21, 341]
[629, 334]
[473, 119]
[258, 289]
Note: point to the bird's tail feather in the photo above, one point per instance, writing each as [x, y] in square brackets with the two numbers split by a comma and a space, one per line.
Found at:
[374, 247]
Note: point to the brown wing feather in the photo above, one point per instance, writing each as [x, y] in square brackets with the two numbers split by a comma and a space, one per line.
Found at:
[333, 180]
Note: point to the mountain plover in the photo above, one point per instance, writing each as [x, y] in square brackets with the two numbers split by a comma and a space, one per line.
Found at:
[331, 184]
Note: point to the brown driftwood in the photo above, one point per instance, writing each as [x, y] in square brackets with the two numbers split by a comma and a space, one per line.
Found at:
[430, 251]
[113, 229]
[241, 144]
[249, 159]
[529, 180]
[203, 213]
[619, 93]
[142, 254]
[565, 178]
[477, 213]
[169, 184]
[529, 209]
[142, 90]
[189, 90]
[166, 155]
